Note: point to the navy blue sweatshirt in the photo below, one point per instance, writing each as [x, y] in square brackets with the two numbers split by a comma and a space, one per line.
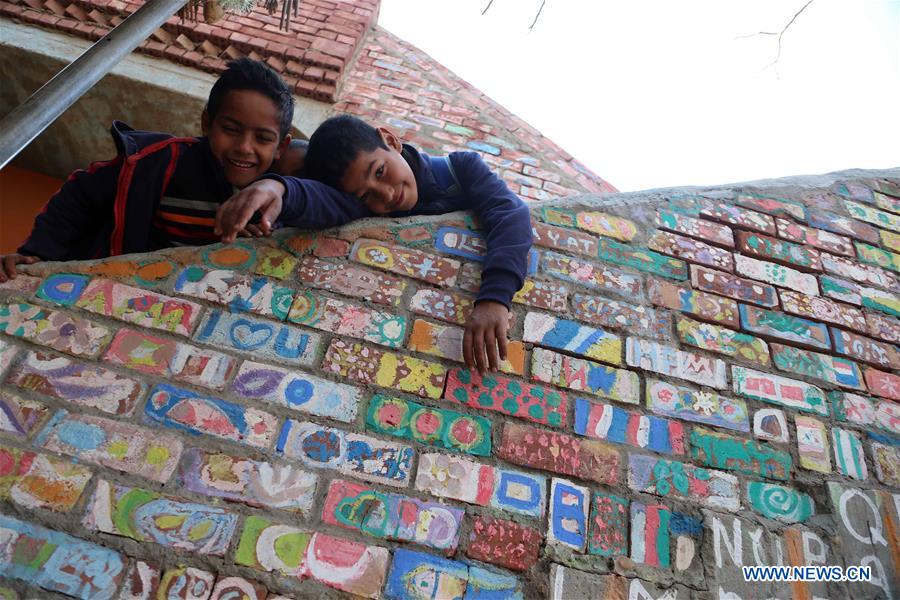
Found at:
[505, 217]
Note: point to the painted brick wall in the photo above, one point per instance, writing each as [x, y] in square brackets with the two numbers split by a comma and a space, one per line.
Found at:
[700, 379]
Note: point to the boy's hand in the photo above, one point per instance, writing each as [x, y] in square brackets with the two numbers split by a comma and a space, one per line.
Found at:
[484, 342]
[8, 265]
[233, 216]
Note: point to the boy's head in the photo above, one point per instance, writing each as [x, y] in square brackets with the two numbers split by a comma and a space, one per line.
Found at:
[248, 119]
[354, 157]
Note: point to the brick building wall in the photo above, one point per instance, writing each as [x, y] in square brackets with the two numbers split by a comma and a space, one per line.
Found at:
[699, 379]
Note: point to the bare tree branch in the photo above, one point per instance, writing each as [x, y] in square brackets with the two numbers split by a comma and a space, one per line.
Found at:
[780, 34]
[538, 15]
[487, 7]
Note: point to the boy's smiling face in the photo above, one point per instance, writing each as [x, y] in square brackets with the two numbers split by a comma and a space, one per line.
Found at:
[382, 179]
[244, 135]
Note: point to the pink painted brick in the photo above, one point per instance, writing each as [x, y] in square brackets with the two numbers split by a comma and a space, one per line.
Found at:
[543, 294]
[507, 396]
[849, 269]
[140, 307]
[772, 206]
[883, 327]
[442, 305]
[818, 238]
[430, 268]
[351, 280]
[886, 385]
[739, 217]
[504, 543]
[775, 250]
[732, 286]
[707, 307]
[691, 250]
[709, 231]
[822, 309]
[866, 349]
[560, 238]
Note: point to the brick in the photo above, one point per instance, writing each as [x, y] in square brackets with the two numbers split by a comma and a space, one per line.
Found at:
[273, 341]
[585, 376]
[883, 327]
[838, 371]
[554, 215]
[566, 583]
[779, 251]
[843, 226]
[374, 367]
[228, 587]
[559, 238]
[441, 305]
[392, 516]
[21, 285]
[713, 449]
[455, 477]
[62, 289]
[877, 256]
[405, 261]
[691, 250]
[641, 259]
[867, 412]
[886, 302]
[886, 385]
[848, 269]
[19, 416]
[351, 280]
[140, 307]
[54, 329]
[688, 404]
[722, 340]
[507, 396]
[238, 291]
[667, 360]
[343, 318]
[595, 276]
[770, 424]
[568, 514]
[848, 454]
[504, 543]
[293, 541]
[608, 525]
[471, 245]
[775, 274]
[887, 463]
[32, 480]
[865, 349]
[559, 453]
[449, 429]
[874, 216]
[622, 315]
[58, 562]
[116, 509]
[446, 341]
[840, 289]
[822, 309]
[778, 207]
[257, 483]
[407, 564]
[650, 534]
[890, 240]
[606, 225]
[775, 389]
[696, 228]
[542, 294]
[682, 481]
[141, 581]
[562, 334]
[887, 202]
[739, 217]
[817, 238]
[779, 502]
[777, 325]
[8, 354]
[147, 453]
[276, 263]
[707, 307]
[168, 358]
[613, 424]
[726, 284]
[353, 454]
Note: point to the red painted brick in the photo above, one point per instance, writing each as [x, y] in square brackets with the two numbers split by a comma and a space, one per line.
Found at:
[504, 543]
[732, 286]
[772, 206]
[691, 250]
[707, 307]
[818, 238]
[886, 385]
[822, 309]
[560, 453]
[779, 251]
[739, 217]
[713, 233]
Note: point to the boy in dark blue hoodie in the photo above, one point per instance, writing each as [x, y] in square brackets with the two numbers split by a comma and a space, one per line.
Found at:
[381, 176]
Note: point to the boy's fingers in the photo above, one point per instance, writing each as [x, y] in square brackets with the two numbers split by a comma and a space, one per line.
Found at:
[490, 348]
[502, 343]
[468, 356]
[478, 351]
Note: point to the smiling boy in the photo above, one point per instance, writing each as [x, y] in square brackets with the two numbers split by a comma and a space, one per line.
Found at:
[382, 176]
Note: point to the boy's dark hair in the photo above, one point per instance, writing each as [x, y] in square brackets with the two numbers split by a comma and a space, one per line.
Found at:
[335, 144]
[248, 74]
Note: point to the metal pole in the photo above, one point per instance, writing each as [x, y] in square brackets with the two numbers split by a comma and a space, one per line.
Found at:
[29, 119]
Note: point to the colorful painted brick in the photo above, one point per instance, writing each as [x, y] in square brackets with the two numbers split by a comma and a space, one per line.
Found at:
[416, 575]
[441, 305]
[354, 454]
[33, 480]
[772, 206]
[455, 477]
[734, 215]
[585, 376]
[186, 410]
[297, 390]
[868, 412]
[770, 424]
[650, 534]
[613, 424]
[667, 360]
[446, 341]
[263, 338]
[886, 302]
[236, 256]
[253, 482]
[148, 516]
[392, 516]
[691, 250]
[344, 318]
[562, 334]
[240, 292]
[622, 315]
[608, 525]
[732, 286]
[874, 216]
[779, 502]
[697, 228]
[817, 238]
[471, 245]
[823, 309]
[642, 259]
[374, 367]
[568, 240]
[79, 383]
[775, 250]
[170, 359]
[606, 225]
[848, 454]
[405, 261]
[272, 262]
[559, 453]
[147, 453]
[507, 396]
[776, 274]
[859, 272]
[778, 390]
[865, 349]
[54, 329]
[19, 416]
[838, 371]
[890, 240]
[707, 336]
[664, 398]
[707, 307]
[812, 444]
[683, 481]
[542, 294]
[843, 226]
[351, 280]
[141, 581]
[595, 276]
[877, 256]
[22, 285]
[63, 289]
[887, 463]
[886, 385]
[883, 327]
[434, 426]
[774, 324]
[140, 307]
[568, 514]
[714, 449]
[840, 289]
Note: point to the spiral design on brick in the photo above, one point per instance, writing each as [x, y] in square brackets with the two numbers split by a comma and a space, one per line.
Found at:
[780, 501]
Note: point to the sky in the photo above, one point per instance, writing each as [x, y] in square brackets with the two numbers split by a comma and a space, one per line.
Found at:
[660, 93]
